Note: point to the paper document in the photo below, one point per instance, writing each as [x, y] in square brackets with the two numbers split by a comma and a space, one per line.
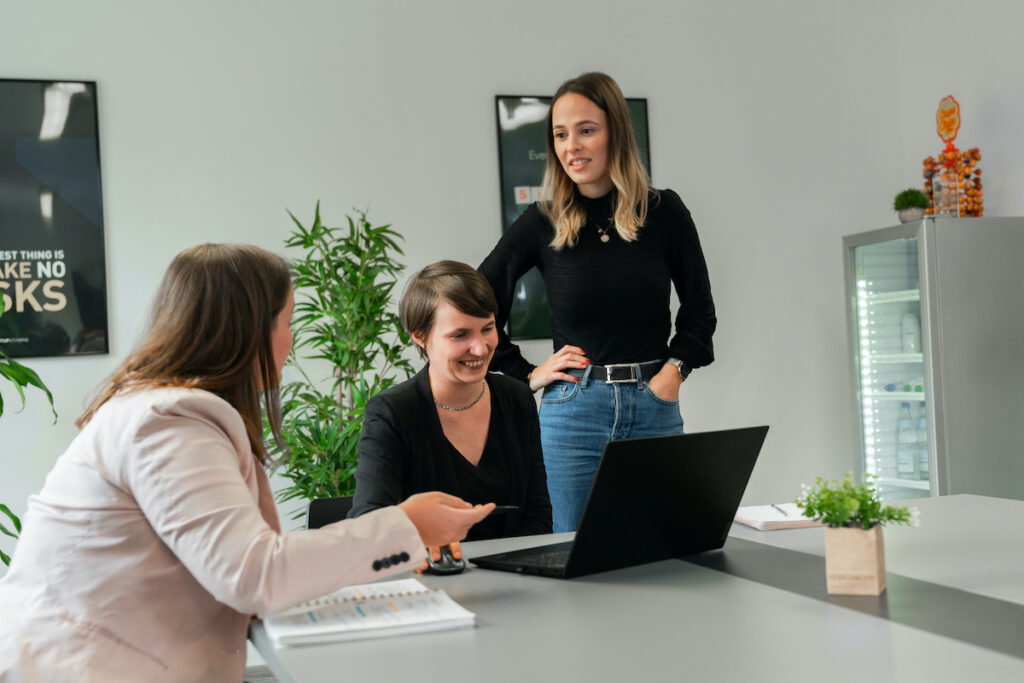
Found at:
[778, 516]
[368, 611]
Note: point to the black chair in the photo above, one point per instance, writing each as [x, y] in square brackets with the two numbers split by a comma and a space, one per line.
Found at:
[323, 511]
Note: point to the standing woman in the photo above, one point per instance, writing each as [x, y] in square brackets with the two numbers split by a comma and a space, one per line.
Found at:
[155, 538]
[609, 248]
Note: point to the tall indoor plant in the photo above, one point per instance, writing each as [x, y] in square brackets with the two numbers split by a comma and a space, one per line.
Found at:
[345, 279]
[21, 377]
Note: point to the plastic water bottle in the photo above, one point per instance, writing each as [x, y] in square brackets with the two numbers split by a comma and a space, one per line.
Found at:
[906, 437]
[910, 327]
[922, 442]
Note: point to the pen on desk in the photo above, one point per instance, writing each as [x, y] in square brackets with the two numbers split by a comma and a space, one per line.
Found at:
[784, 513]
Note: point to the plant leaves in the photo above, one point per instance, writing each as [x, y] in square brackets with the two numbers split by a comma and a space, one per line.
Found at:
[345, 318]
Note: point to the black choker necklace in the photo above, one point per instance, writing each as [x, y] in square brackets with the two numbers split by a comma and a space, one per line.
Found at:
[483, 386]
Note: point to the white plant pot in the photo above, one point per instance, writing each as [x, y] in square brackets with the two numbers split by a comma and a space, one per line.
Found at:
[910, 215]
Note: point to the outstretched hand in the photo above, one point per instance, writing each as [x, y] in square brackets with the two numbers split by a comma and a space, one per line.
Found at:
[442, 519]
[553, 369]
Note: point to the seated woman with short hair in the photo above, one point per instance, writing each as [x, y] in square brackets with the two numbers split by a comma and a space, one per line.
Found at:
[454, 427]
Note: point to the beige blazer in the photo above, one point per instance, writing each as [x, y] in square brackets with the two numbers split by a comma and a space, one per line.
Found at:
[154, 540]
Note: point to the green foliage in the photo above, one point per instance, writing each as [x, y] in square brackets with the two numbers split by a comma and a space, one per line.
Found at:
[345, 279]
[846, 504]
[910, 199]
[4, 557]
[21, 377]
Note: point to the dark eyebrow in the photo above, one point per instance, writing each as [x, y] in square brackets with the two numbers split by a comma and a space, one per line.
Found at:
[588, 122]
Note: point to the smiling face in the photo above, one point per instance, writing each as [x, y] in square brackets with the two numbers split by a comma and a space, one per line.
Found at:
[459, 346]
[580, 136]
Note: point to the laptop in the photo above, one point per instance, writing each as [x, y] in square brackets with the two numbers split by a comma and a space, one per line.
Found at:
[653, 499]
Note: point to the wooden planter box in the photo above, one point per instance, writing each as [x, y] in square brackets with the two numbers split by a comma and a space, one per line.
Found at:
[854, 561]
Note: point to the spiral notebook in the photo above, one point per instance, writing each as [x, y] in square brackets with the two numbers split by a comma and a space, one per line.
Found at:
[372, 610]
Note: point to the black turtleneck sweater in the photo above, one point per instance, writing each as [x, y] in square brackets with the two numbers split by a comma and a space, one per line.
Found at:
[610, 298]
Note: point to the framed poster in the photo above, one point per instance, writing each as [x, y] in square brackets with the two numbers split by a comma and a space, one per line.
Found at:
[53, 278]
[522, 154]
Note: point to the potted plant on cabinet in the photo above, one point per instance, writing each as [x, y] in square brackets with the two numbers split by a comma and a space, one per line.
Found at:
[21, 377]
[910, 205]
[853, 516]
[345, 280]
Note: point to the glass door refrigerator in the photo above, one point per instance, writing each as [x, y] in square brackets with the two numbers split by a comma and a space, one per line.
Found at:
[936, 319]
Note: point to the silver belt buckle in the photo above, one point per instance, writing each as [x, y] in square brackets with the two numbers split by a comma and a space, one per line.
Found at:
[626, 373]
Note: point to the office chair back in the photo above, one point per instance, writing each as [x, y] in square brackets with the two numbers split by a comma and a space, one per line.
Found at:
[323, 511]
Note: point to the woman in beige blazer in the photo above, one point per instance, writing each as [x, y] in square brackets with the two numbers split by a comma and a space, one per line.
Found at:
[155, 537]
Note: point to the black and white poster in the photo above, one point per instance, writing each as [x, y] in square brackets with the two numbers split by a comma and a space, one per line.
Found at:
[52, 260]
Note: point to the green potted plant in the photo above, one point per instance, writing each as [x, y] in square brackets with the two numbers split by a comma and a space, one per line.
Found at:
[345, 279]
[21, 377]
[853, 517]
[910, 205]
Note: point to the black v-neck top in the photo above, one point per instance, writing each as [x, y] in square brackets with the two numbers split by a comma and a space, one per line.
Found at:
[403, 450]
[612, 298]
[487, 481]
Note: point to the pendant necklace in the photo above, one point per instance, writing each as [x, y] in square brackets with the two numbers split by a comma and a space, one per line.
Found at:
[604, 231]
[483, 386]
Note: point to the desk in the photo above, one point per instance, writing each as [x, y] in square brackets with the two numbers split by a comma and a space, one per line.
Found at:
[698, 620]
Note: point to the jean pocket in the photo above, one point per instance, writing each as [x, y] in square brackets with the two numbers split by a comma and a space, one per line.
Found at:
[657, 399]
[560, 392]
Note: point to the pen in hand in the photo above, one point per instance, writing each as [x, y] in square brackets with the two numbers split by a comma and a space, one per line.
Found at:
[784, 513]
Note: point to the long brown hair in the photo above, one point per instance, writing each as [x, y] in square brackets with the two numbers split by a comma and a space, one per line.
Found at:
[210, 328]
[625, 169]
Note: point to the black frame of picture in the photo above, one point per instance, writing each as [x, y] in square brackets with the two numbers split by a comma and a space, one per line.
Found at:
[52, 246]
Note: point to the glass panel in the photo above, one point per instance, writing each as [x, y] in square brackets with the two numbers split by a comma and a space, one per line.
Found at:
[892, 395]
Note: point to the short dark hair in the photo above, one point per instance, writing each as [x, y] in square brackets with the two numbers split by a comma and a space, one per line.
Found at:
[457, 283]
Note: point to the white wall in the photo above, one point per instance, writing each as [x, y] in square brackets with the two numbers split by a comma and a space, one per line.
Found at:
[783, 126]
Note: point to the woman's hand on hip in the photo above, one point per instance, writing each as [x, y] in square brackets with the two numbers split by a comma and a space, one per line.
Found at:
[553, 369]
[665, 385]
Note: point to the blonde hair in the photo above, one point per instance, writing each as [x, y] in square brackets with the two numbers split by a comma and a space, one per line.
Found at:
[210, 327]
[625, 169]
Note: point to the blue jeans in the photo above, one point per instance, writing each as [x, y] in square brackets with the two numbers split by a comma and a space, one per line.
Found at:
[577, 419]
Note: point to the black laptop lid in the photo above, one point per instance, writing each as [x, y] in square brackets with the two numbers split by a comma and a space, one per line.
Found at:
[661, 497]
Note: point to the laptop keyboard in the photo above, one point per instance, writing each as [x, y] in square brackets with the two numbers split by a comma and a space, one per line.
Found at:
[551, 559]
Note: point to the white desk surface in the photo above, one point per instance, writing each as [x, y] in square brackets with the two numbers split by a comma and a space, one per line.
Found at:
[676, 620]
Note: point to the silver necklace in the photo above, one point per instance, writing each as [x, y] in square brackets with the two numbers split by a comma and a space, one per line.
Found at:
[483, 386]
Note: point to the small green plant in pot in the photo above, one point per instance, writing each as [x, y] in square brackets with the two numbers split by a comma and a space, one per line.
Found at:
[21, 377]
[345, 279]
[854, 516]
[910, 204]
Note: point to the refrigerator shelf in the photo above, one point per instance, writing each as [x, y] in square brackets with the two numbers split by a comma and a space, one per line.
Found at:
[895, 395]
[897, 297]
[896, 357]
[924, 484]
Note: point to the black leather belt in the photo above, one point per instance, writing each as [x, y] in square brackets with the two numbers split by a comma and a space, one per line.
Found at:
[620, 373]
